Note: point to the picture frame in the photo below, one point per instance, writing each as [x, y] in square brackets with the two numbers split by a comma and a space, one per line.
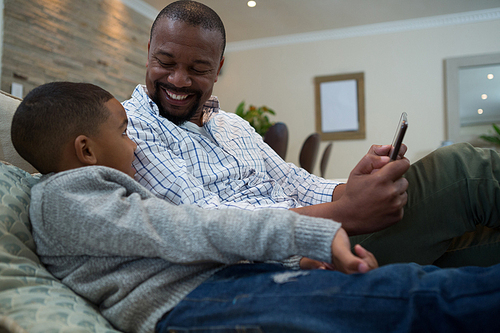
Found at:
[456, 95]
[340, 106]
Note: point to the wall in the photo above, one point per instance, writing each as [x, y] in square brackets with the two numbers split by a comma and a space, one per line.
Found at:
[99, 41]
[1, 33]
[403, 72]
[105, 42]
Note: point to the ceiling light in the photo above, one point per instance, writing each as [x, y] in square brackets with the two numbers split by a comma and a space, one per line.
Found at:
[251, 3]
[484, 96]
[480, 111]
[490, 76]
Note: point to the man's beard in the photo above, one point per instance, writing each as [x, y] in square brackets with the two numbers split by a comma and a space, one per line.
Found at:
[176, 119]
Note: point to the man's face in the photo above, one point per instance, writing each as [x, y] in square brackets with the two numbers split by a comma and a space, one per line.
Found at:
[183, 64]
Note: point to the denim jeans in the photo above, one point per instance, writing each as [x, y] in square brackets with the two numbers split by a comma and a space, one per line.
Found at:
[452, 217]
[393, 298]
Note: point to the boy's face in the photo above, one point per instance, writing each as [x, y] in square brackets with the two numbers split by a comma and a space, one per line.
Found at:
[113, 147]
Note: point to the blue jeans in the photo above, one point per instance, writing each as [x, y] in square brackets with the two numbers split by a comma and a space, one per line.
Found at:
[393, 298]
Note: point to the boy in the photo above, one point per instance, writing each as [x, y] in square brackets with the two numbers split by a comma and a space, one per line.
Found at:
[151, 265]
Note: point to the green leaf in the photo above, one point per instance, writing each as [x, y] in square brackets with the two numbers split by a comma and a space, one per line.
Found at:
[256, 116]
[240, 109]
[496, 129]
[492, 139]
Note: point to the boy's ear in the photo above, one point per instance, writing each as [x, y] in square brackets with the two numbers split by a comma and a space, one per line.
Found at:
[84, 150]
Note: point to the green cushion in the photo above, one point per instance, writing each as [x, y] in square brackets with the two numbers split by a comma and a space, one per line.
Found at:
[30, 297]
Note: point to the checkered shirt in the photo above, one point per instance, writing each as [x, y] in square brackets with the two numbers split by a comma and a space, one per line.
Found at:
[235, 169]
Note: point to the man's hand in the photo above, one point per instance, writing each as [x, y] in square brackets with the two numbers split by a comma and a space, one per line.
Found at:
[385, 150]
[373, 197]
[375, 193]
[343, 259]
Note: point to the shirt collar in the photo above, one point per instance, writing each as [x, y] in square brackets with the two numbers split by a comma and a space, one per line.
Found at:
[210, 108]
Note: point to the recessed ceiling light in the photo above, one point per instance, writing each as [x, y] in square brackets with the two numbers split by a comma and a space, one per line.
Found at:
[251, 3]
[480, 111]
[484, 96]
[490, 76]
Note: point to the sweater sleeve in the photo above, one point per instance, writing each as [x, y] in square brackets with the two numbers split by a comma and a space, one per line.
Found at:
[97, 211]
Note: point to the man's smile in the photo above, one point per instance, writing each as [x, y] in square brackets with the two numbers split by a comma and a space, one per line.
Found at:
[177, 98]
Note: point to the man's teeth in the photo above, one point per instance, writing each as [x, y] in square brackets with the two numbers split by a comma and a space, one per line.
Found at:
[176, 97]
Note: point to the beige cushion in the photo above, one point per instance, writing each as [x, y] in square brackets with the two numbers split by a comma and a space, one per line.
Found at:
[8, 106]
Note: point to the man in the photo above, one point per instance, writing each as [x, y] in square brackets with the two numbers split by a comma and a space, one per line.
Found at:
[191, 152]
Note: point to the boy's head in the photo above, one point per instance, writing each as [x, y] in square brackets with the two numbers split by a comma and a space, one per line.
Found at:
[65, 125]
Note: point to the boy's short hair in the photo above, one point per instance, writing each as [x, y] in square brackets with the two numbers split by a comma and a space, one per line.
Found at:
[52, 115]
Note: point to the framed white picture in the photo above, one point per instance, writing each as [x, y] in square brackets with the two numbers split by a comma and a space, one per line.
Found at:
[340, 106]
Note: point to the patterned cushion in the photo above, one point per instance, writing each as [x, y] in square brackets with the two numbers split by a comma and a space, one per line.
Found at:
[31, 299]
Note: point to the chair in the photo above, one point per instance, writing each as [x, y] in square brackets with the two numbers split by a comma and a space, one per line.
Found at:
[324, 159]
[309, 152]
[277, 138]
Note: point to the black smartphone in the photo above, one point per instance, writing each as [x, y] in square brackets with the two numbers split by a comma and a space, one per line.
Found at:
[398, 137]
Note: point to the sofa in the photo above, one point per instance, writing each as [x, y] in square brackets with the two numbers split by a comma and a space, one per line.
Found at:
[31, 299]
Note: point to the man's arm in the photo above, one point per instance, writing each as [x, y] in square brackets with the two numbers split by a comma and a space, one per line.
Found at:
[306, 188]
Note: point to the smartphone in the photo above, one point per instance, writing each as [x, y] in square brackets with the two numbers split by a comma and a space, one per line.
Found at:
[398, 137]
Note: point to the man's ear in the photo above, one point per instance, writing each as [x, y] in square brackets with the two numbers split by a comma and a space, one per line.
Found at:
[84, 150]
[149, 45]
[220, 67]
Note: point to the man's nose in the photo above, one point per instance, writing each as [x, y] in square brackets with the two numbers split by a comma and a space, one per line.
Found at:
[179, 78]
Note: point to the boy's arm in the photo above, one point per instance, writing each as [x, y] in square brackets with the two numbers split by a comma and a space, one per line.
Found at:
[99, 211]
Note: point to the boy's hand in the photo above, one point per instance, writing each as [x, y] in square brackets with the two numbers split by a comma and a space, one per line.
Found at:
[345, 261]
[307, 263]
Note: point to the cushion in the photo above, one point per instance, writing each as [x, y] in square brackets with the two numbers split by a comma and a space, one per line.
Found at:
[8, 106]
[31, 299]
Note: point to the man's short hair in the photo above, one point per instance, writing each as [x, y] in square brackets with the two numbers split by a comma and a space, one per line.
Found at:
[52, 115]
[195, 14]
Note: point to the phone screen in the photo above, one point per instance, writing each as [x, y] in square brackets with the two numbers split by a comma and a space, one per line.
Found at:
[398, 137]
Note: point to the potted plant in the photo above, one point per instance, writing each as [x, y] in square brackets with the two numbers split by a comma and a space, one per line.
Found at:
[257, 117]
[494, 139]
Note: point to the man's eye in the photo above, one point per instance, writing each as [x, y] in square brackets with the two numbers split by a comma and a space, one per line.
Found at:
[201, 71]
[164, 64]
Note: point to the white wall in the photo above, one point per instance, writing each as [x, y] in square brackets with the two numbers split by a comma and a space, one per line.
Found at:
[1, 34]
[403, 72]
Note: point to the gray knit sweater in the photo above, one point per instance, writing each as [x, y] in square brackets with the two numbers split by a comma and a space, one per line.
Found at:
[136, 256]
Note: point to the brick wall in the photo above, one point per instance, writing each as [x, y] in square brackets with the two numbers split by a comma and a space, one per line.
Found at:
[98, 41]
